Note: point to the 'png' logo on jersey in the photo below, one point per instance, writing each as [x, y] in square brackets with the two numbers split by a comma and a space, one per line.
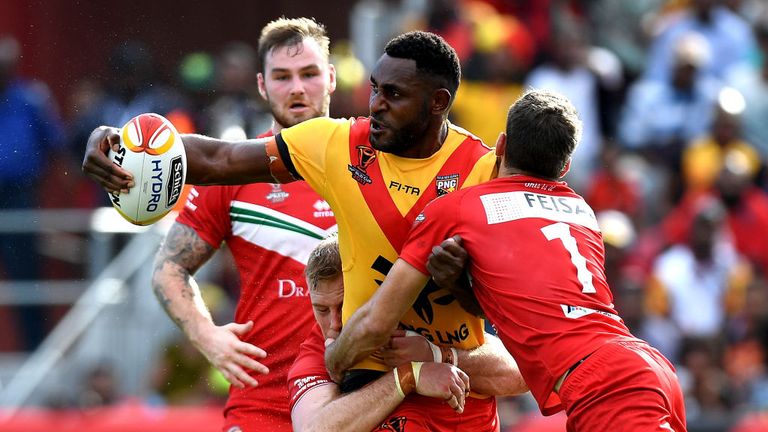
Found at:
[446, 183]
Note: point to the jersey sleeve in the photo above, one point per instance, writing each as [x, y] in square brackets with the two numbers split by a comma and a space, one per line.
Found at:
[304, 148]
[207, 212]
[308, 370]
[437, 222]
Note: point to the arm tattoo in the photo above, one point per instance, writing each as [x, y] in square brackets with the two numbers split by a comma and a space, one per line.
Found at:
[182, 253]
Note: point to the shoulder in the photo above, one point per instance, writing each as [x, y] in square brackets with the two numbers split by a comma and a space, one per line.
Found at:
[316, 130]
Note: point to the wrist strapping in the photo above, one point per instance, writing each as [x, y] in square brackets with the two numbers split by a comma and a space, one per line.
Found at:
[416, 366]
[437, 355]
[449, 355]
[405, 380]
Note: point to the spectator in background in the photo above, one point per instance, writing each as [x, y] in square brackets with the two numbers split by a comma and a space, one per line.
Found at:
[704, 158]
[662, 115]
[503, 50]
[747, 207]
[695, 284]
[236, 113]
[566, 72]
[751, 79]
[613, 187]
[727, 36]
[31, 136]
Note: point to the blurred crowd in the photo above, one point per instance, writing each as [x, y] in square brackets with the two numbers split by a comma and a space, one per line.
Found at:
[674, 99]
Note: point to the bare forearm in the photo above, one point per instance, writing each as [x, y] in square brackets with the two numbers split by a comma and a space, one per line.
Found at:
[362, 335]
[361, 410]
[215, 161]
[180, 297]
[181, 254]
[491, 369]
[370, 327]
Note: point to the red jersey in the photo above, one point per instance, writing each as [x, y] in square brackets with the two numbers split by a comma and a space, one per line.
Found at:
[525, 238]
[271, 230]
[308, 370]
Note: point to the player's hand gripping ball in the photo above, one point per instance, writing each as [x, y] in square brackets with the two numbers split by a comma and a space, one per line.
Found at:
[151, 150]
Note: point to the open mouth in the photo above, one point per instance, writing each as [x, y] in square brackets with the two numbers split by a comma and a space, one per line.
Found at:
[377, 126]
[297, 106]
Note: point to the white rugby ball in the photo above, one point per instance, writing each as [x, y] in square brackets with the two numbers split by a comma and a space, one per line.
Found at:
[151, 150]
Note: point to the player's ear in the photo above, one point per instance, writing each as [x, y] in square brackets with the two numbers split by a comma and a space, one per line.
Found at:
[332, 77]
[263, 88]
[566, 168]
[441, 101]
[501, 144]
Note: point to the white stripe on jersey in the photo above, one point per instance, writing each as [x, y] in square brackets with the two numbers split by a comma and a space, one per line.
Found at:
[509, 206]
[278, 232]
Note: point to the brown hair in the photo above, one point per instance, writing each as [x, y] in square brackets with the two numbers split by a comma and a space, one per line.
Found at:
[289, 32]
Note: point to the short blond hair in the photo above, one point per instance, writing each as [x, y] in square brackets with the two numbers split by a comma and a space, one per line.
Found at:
[324, 262]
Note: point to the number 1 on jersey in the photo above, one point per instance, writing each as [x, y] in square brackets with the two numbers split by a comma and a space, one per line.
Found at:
[562, 232]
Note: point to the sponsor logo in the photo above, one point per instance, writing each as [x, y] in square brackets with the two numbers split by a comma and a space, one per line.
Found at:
[156, 187]
[444, 337]
[423, 304]
[540, 186]
[277, 195]
[408, 189]
[446, 183]
[557, 204]
[288, 288]
[365, 157]
[118, 158]
[575, 312]
[322, 209]
[234, 429]
[175, 183]
[420, 218]
[394, 424]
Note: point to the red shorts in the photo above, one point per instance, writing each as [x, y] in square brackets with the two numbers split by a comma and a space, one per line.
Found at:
[252, 419]
[425, 414]
[627, 386]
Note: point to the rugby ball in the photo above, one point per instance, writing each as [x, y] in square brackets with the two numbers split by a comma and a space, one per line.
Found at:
[151, 150]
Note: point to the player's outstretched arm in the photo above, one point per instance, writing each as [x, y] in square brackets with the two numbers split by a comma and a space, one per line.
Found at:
[324, 408]
[209, 160]
[370, 326]
[182, 253]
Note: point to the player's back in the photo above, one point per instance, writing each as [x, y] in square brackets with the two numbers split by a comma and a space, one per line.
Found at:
[537, 266]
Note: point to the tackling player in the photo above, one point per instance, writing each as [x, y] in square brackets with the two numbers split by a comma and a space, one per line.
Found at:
[270, 230]
[318, 404]
[536, 261]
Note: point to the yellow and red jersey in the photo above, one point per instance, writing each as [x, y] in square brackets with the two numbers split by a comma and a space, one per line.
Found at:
[375, 197]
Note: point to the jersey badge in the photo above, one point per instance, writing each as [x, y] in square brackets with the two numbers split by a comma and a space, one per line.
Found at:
[394, 424]
[446, 183]
[277, 194]
[322, 209]
[365, 157]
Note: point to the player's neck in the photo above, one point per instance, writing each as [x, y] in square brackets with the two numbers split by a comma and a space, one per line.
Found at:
[505, 171]
[430, 143]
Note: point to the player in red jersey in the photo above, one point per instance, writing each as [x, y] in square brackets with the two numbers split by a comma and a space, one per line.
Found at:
[438, 388]
[270, 230]
[536, 260]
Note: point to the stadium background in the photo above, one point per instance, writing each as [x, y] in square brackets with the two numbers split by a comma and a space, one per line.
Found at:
[673, 158]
